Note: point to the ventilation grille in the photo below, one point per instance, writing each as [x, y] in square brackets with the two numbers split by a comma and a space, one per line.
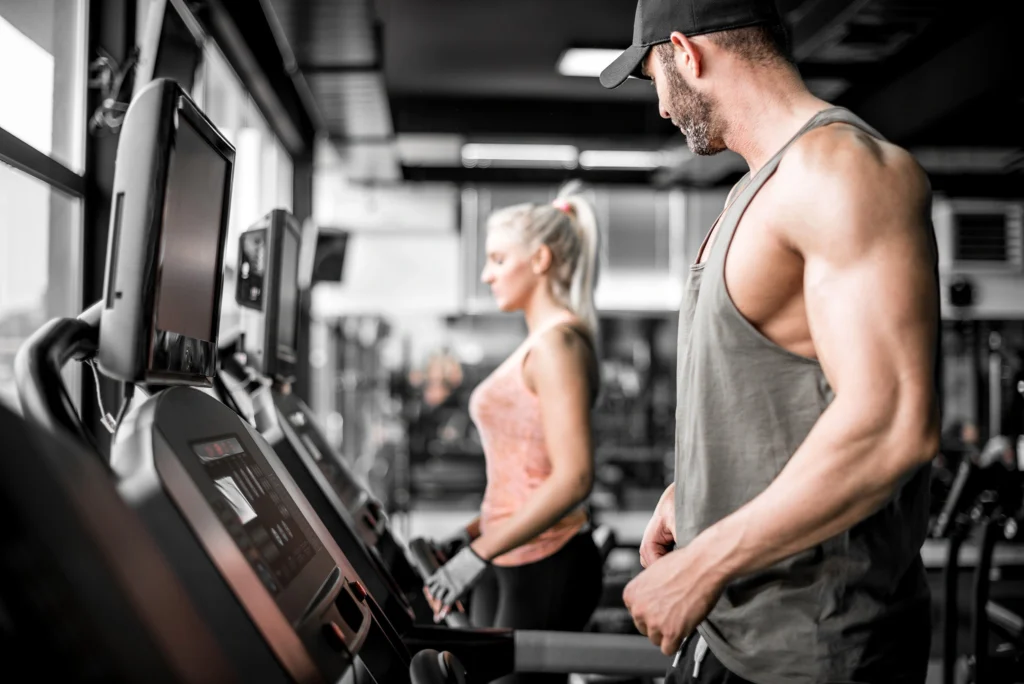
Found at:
[991, 238]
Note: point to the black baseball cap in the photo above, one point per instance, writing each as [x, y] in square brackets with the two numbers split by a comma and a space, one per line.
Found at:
[657, 19]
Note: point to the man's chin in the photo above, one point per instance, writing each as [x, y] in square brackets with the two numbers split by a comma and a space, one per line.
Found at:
[704, 150]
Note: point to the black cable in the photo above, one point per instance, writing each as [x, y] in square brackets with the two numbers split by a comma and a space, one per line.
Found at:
[109, 77]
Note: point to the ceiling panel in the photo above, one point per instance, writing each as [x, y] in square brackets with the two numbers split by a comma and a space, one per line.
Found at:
[328, 32]
[486, 69]
[353, 105]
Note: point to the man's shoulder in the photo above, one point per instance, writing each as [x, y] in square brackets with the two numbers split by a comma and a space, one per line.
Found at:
[858, 186]
[849, 158]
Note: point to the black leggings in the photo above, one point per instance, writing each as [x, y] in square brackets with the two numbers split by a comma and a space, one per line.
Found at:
[559, 593]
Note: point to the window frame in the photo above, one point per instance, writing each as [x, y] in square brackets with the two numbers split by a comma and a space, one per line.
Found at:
[18, 154]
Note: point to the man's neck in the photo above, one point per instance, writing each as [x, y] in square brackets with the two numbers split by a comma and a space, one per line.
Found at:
[764, 109]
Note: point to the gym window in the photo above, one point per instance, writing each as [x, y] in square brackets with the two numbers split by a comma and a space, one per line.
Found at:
[42, 150]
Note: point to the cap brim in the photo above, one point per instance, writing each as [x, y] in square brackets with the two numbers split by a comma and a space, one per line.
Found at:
[625, 65]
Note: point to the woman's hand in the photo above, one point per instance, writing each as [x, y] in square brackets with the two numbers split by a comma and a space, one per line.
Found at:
[453, 579]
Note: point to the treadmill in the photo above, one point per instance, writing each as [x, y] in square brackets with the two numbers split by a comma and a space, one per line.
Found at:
[85, 594]
[261, 365]
[277, 595]
[274, 258]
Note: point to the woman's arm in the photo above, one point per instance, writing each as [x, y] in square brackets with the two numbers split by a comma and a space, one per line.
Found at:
[557, 369]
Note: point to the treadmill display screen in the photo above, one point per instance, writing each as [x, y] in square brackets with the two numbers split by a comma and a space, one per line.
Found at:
[254, 513]
[189, 262]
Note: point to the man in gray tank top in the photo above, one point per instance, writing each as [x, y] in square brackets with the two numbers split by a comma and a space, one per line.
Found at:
[806, 414]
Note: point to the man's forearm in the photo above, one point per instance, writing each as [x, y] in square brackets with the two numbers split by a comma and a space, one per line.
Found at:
[844, 471]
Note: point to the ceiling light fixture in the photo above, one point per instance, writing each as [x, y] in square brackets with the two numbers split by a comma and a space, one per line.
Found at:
[623, 159]
[519, 155]
[585, 61]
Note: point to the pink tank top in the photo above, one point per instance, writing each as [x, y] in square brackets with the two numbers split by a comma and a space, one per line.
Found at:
[507, 414]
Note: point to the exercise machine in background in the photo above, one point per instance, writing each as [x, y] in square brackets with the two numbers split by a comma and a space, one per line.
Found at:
[258, 368]
[986, 499]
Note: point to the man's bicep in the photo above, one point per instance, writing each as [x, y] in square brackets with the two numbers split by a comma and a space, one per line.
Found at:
[871, 296]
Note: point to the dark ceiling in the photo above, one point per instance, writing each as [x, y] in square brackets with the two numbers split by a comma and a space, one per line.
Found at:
[927, 73]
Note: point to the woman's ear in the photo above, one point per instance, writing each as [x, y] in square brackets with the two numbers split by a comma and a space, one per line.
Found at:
[541, 260]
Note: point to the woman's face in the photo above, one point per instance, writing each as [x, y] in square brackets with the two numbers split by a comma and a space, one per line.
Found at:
[509, 269]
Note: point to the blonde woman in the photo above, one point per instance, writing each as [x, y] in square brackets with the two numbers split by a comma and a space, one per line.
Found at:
[529, 555]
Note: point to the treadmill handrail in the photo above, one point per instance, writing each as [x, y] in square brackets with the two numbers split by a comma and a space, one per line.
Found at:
[588, 653]
[44, 397]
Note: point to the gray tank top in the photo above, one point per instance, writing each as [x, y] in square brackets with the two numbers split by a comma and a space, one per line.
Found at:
[844, 610]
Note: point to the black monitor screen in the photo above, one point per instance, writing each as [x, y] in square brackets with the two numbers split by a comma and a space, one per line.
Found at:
[255, 513]
[288, 292]
[189, 260]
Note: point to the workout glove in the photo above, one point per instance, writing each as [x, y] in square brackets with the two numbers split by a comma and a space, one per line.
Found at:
[453, 544]
[456, 577]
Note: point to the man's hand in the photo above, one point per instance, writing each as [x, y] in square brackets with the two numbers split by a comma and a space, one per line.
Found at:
[671, 597]
[660, 535]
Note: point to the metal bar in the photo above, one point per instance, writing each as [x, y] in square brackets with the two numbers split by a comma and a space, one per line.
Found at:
[362, 68]
[588, 653]
[950, 621]
[22, 156]
[982, 585]
[1007, 620]
[238, 29]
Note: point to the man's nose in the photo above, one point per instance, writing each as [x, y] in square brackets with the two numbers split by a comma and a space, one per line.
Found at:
[664, 112]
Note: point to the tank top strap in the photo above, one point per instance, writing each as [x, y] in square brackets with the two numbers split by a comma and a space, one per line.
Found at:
[844, 115]
[731, 217]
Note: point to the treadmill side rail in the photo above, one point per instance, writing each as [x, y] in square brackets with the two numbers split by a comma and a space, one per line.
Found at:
[588, 653]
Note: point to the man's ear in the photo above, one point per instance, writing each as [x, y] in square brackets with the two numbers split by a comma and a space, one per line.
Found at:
[687, 55]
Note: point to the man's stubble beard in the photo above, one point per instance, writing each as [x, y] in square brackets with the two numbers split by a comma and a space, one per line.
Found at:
[694, 114]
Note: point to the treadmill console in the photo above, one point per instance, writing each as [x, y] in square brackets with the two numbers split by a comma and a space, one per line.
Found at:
[255, 509]
[280, 562]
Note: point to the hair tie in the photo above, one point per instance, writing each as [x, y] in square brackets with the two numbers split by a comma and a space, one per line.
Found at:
[563, 206]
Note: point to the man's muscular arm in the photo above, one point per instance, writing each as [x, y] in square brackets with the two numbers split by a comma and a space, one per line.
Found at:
[858, 219]
[870, 291]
